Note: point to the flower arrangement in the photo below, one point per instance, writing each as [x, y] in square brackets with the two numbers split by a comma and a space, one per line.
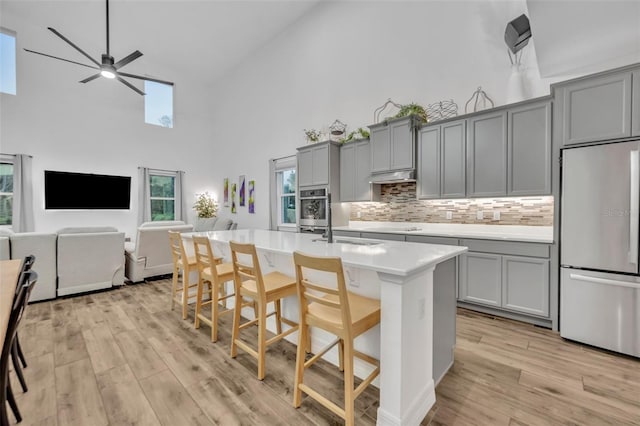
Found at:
[205, 206]
[312, 135]
[360, 133]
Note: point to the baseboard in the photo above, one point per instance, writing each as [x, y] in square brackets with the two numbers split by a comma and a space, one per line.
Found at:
[416, 412]
[65, 291]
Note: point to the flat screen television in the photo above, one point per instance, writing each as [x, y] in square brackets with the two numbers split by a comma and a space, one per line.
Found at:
[66, 191]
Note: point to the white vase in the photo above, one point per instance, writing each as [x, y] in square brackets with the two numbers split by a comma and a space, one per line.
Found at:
[517, 85]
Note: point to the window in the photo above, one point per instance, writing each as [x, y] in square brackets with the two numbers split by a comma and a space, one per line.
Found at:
[162, 187]
[286, 181]
[7, 61]
[6, 193]
[158, 104]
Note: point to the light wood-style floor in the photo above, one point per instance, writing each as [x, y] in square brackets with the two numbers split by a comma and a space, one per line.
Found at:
[122, 357]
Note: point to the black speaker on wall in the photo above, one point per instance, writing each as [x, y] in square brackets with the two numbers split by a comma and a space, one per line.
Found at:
[517, 33]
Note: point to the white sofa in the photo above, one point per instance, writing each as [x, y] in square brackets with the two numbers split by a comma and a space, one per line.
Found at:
[214, 224]
[43, 246]
[150, 255]
[5, 251]
[89, 258]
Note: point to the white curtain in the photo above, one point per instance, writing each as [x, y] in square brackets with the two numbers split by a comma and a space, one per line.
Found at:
[181, 213]
[22, 220]
[144, 196]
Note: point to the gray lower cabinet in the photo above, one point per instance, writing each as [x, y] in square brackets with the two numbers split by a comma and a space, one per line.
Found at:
[341, 233]
[383, 236]
[510, 276]
[595, 108]
[355, 171]
[635, 120]
[529, 150]
[525, 284]
[487, 155]
[480, 278]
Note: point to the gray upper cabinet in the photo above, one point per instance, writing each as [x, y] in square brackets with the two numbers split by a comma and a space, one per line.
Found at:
[441, 161]
[429, 162]
[595, 108]
[487, 155]
[393, 145]
[453, 161]
[529, 150]
[635, 109]
[355, 170]
[318, 164]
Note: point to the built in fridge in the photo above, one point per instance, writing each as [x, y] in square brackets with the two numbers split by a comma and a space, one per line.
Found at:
[599, 275]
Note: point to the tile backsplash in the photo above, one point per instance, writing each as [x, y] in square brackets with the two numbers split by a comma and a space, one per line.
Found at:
[398, 204]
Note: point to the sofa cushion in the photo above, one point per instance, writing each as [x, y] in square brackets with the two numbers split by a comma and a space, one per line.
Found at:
[86, 230]
[6, 232]
[162, 223]
[222, 224]
[129, 246]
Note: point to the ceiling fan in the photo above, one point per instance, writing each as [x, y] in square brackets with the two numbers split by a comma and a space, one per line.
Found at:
[107, 67]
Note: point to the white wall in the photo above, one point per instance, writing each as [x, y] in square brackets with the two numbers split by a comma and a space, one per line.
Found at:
[98, 128]
[345, 59]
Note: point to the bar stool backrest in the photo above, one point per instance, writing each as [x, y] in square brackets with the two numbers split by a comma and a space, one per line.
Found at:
[246, 271]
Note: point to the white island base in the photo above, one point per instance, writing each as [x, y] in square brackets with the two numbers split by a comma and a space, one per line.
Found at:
[413, 315]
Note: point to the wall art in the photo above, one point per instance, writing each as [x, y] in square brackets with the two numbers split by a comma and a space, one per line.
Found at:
[242, 193]
[233, 198]
[252, 199]
[226, 192]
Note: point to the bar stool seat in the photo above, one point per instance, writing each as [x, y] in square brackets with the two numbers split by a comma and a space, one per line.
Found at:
[213, 271]
[262, 289]
[181, 284]
[331, 307]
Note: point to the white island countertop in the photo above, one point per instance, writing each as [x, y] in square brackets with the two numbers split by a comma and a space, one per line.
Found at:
[531, 234]
[391, 257]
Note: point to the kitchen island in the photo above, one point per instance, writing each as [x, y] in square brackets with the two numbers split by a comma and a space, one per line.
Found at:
[401, 275]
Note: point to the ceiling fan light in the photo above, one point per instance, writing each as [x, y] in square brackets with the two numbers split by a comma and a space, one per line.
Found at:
[108, 74]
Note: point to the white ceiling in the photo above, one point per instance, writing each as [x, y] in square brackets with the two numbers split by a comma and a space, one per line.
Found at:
[200, 39]
[204, 39]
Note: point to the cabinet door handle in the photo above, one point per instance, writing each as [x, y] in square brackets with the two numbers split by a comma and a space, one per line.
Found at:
[634, 205]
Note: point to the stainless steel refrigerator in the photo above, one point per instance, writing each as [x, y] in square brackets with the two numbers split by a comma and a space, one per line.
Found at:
[599, 275]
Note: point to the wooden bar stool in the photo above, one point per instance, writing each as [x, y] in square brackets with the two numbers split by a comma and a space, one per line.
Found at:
[182, 265]
[262, 289]
[213, 271]
[337, 311]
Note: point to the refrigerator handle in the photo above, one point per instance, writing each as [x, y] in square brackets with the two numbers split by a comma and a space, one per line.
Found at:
[634, 205]
[605, 281]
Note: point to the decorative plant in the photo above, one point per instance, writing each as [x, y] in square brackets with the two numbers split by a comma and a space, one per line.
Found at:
[359, 133]
[312, 135]
[205, 206]
[412, 109]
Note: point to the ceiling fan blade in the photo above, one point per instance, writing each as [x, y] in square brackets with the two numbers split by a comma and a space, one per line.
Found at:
[124, 61]
[74, 46]
[61, 59]
[139, 77]
[88, 79]
[131, 86]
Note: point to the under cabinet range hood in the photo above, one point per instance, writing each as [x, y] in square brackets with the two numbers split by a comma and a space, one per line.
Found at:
[394, 177]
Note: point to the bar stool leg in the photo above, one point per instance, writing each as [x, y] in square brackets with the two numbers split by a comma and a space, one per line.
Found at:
[185, 290]
[300, 358]
[236, 324]
[174, 286]
[348, 383]
[278, 316]
[215, 309]
[262, 339]
[196, 322]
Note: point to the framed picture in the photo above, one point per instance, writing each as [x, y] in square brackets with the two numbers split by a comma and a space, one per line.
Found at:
[233, 198]
[226, 192]
[241, 194]
[252, 200]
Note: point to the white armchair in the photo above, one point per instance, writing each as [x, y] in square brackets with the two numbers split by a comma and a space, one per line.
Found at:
[150, 254]
[89, 258]
[43, 246]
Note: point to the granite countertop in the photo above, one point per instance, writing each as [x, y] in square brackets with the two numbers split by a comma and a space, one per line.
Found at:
[391, 257]
[531, 234]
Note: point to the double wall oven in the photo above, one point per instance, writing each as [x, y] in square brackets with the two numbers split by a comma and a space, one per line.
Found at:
[314, 210]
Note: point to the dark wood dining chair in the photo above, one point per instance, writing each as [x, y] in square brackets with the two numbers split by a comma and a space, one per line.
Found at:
[16, 350]
[26, 283]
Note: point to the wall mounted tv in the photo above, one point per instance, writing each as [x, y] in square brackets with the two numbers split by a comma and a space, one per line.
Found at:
[66, 191]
